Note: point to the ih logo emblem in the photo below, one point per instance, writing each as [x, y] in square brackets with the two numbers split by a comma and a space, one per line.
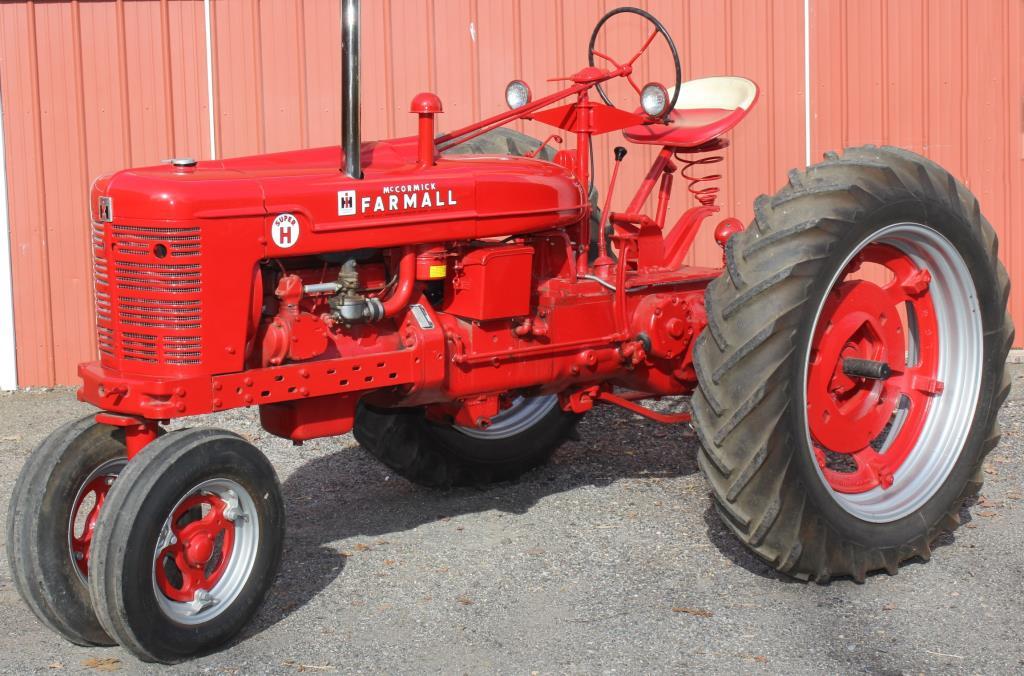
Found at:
[106, 209]
[285, 231]
[346, 202]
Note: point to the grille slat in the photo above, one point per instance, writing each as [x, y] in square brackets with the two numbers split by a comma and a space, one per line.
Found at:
[148, 309]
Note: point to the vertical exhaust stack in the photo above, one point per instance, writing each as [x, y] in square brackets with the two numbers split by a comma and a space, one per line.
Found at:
[351, 141]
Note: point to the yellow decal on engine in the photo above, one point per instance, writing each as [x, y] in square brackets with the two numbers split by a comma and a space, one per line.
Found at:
[437, 271]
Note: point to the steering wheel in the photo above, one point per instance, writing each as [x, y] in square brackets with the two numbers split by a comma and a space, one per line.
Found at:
[658, 28]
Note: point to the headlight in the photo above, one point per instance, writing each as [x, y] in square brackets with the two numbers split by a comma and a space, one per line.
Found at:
[654, 99]
[517, 94]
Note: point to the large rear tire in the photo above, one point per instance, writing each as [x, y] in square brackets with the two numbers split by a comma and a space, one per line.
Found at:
[829, 467]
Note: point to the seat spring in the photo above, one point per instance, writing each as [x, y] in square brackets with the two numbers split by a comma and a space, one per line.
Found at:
[705, 194]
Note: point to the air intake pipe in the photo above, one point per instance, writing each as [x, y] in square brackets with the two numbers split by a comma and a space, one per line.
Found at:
[351, 141]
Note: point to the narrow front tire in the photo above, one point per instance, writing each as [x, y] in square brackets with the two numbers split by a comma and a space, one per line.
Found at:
[187, 545]
[53, 510]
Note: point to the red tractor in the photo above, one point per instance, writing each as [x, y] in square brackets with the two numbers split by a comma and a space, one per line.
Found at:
[460, 312]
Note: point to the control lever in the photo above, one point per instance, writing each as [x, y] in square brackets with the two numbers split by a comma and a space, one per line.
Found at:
[603, 259]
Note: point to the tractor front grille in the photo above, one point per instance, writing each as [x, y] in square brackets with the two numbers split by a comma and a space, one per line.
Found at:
[148, 286]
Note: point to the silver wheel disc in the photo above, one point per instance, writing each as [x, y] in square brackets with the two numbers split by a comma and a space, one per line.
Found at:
[960, 352]
[524, 413]
[240, 559]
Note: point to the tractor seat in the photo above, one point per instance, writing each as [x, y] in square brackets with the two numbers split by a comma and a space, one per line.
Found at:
[706, 109]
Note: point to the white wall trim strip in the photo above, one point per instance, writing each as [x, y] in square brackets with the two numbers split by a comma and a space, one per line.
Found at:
[209, 78]
[807, 81]
[8, 357]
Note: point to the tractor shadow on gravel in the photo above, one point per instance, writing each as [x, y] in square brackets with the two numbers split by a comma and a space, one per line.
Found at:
[348, 494]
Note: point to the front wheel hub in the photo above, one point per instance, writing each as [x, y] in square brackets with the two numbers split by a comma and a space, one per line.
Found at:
[206, 548]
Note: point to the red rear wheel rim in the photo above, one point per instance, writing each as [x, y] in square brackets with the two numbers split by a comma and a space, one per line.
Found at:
[863, 429]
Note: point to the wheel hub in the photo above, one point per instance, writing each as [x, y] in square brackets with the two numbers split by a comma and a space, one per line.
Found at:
[846, 412]
[196, 549]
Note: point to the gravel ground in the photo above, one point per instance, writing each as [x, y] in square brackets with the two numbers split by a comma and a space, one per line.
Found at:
[610, 559]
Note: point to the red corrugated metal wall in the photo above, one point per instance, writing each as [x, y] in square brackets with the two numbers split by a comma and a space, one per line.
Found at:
[940, 77]
[89, 87]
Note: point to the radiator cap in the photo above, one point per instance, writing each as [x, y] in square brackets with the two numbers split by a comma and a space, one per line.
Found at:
[183, 161]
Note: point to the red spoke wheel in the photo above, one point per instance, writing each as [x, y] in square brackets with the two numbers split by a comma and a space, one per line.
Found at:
[187, 544]
[853, 365]
[50, 523]
[198, 543]
[85, 511]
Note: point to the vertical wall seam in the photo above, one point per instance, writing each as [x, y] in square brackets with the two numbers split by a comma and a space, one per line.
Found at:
[807, 82]
[211, 118]
[83, 149]
[8, 355]
[844, 76]
[168, 67]
[770, 48]
[926, 79]
[257, 51]
[215, 95]
[431, 47]
[48, 356]
[474, 59]
[389, 74]
[730, 176]
[122, 74]
[303, 65]
[884, 23]
[964, 94]
[517, 48]
[560, 37]
[1007, 247]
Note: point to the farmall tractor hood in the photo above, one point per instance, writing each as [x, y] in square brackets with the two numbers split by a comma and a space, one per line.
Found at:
[477, 194]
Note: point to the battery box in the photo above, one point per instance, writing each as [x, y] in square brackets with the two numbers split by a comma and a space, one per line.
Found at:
[491, 282]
